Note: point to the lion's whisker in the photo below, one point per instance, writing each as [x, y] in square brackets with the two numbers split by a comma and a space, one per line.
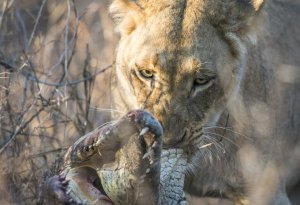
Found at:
[206, 145]
[211, 142]
[227, 129]
[223, 137]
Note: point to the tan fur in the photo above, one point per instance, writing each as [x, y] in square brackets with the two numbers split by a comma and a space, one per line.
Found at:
[182, 41]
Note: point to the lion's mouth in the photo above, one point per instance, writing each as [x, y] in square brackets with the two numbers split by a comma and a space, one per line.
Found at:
[177, 143]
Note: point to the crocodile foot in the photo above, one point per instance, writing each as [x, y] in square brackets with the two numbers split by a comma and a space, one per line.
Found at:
[134, 176]
[115, 164]
[58, 184]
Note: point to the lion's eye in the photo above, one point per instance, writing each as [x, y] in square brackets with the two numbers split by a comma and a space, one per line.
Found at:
[202, 81]
[146, 73]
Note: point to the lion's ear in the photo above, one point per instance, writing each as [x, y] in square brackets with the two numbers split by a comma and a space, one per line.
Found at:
[127, 15]
[257, 4]
[236, 16]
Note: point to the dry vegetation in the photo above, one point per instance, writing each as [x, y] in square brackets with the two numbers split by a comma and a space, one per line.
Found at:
[54, 56]
[55, 60]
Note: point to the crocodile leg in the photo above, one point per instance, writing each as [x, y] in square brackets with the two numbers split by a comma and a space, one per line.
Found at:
[172, 172]
[133, 178]
[129, 148]
[126, 156]
[173, 166]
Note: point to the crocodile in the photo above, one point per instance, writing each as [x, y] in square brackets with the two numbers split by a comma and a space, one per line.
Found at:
[120, 163]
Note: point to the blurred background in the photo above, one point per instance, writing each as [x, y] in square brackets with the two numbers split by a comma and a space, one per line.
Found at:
[55, 60]
[55, 64]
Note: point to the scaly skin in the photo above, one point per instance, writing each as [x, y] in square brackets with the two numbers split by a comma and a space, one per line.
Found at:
[126, 157]
[173, 166]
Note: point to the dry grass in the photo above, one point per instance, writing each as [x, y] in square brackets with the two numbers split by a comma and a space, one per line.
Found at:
[55, 59]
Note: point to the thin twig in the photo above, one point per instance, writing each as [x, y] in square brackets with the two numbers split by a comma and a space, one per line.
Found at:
[72, 82]
[4, 7]
[48, 152]
[66, 62]
[19, 129]
[66, 49]
[35, 25]
[22, 25]
[6, 65]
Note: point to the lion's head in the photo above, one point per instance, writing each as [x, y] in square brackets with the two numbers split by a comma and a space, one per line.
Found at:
[181, 60]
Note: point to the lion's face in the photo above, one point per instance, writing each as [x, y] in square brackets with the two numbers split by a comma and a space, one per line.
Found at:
[174, 61]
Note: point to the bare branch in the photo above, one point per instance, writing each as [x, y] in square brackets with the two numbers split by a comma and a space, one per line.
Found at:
[72, 82]
[35, 25]
[19, 129]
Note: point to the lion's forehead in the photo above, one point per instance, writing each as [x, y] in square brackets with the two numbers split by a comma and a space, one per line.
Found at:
[173, 61]
[171, 47]
[173, 24]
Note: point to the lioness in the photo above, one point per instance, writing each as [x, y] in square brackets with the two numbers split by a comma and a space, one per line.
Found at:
[222, 78]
